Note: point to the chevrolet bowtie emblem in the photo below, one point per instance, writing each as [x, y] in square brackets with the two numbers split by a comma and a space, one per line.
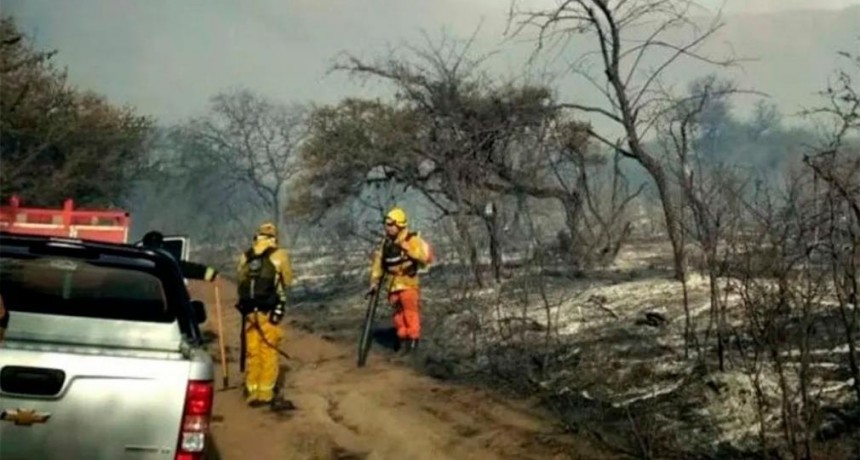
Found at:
[24, 417]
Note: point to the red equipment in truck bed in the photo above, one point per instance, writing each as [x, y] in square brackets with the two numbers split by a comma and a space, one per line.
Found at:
[110, 226]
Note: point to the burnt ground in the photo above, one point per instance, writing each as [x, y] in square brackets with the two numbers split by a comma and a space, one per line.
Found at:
[601, 353]
[385, 410]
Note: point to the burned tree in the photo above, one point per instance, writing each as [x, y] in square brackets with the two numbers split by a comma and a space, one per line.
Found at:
[254, 144]
[350, 157]
[633, 94]
[464, 128]
[836, 165]
[709, 189]
[472, 147]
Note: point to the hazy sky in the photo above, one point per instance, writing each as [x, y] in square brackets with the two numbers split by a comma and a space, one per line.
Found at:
[168, 57]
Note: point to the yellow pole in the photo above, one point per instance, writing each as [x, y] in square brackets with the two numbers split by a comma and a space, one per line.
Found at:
[221, 336]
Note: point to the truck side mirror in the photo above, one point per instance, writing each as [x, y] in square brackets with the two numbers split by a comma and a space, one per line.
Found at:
[199, 309]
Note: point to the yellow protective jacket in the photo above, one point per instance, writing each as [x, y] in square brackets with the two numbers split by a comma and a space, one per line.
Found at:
[400, 259]
[280, 259]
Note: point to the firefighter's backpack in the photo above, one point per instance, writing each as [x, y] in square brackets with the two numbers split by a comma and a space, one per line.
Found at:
[260, 285]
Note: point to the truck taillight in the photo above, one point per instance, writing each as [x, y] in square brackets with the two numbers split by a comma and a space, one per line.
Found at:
[195, 420]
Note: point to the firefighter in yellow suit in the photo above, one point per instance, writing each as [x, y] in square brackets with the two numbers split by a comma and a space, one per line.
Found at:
[264, 276]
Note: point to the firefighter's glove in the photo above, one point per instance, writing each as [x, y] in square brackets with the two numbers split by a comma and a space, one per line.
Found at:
[276, 315]
[370, 292]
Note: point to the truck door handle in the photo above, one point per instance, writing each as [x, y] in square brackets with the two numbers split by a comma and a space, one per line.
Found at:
[35, 381]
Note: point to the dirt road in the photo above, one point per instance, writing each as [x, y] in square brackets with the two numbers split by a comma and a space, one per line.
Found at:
[382, 411]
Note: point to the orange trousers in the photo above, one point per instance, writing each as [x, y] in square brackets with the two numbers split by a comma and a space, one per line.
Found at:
[407, 316]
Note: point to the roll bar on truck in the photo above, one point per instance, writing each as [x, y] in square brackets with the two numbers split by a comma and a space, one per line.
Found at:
[110, 226]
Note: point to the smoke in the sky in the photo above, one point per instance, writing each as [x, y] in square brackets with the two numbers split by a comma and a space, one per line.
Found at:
[167, 57]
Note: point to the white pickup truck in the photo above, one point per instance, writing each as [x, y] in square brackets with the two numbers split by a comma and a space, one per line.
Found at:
[103, 357]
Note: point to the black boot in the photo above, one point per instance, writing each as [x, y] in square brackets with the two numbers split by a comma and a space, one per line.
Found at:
[279, 404]
[403, 347]
[409, 346]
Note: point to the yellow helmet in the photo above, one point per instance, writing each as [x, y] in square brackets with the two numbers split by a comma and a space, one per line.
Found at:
[267, 229]
[398, 216]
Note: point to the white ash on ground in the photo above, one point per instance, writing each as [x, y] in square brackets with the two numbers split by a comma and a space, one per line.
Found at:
[615, 335]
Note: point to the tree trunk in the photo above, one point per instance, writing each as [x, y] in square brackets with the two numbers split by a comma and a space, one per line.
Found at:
[718, 314]
[852, 348]
[688, 321]
[572, 216]
[469, 247]
[657, 173]
[850, 318]
[849, 323]
[492, 223]
[716, 308]
[276, 216]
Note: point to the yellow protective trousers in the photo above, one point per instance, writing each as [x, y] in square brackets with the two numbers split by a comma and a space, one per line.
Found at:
[261, 360]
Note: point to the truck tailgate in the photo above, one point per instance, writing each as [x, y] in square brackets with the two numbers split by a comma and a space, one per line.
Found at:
[90, 405]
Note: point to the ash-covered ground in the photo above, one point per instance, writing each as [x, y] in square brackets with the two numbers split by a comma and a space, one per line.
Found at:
[605, 350]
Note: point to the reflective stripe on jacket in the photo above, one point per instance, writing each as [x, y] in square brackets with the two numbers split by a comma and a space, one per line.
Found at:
[400, 258]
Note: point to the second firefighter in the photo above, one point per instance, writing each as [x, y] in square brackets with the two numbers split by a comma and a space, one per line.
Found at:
[401, 255]
[264, 276]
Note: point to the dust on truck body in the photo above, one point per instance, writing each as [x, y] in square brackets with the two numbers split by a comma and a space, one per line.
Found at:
[86, 224]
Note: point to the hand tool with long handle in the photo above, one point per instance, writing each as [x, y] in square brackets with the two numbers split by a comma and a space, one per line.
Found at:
[367, 331]
[226, 376]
